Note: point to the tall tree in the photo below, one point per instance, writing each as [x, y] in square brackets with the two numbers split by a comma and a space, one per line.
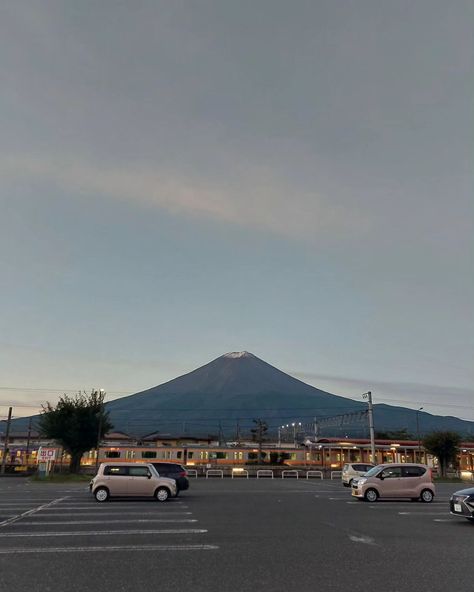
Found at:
[77, 423]
[443, 445]
[258, 435]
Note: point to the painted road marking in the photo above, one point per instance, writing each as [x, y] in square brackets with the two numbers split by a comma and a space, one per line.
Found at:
[123, 521]
[30, 512]
[101, 533]
[114, 548]
[46, 514]
[365, 540]
[423, 513]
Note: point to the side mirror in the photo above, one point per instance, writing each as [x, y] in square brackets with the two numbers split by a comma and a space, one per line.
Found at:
[149, 476]
[381, 477]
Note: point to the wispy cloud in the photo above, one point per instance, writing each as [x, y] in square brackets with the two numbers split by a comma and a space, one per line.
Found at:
[259, 200]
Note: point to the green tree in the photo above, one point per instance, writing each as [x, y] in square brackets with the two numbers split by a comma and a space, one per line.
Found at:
[443, 445]
[77, 423]
[258, 435]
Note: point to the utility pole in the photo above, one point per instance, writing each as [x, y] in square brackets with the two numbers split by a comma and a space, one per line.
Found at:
[316, 429]
[27, 453]
[418, 433]
[368, 396]
[101, 394]
[5, 443]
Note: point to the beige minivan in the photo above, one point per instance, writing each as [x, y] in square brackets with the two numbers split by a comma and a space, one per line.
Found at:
[131, 480]
[408, 480]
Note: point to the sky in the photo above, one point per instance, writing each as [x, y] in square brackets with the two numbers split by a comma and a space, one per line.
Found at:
[184, 179]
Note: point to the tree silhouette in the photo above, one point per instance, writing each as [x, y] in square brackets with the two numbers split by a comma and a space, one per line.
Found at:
[77, 423]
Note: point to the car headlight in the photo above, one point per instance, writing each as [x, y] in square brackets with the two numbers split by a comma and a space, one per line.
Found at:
[361, 481]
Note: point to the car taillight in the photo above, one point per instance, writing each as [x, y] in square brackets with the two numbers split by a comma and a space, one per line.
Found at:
[183, 474]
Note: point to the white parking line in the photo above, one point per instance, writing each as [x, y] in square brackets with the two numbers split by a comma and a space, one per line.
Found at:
[124, 521]
[114, 548]
[422, 513]
[30, 512]
[47, 514]
[98, 508]
[101, 533]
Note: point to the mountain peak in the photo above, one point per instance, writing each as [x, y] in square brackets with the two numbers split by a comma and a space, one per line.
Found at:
[241, 354]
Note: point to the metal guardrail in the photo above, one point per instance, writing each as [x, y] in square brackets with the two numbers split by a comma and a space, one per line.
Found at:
[314, 474]
[192, 473]
[214, 473]
[292, 473]
[240, 473]
[336, 474]
[264, 473]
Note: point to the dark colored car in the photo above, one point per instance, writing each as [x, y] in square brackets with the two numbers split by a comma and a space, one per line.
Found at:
[462, 503]
[173, 471]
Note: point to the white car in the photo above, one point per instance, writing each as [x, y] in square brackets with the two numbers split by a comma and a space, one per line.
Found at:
[351, 471]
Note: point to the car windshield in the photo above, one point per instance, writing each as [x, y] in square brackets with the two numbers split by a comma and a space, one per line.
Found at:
[373, 471]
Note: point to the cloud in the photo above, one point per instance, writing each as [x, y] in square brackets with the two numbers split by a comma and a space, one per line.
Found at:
[258, 199]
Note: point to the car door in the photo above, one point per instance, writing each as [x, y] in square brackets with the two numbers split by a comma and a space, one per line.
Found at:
[411, 480]
[116, 479]
[391, 482]
[139, 481]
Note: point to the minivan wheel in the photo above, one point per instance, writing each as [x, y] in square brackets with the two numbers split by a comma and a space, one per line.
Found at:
[101, 494]
[426, 496]
[371, 495]
[162, 494]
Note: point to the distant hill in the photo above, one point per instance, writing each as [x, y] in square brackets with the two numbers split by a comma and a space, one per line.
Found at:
[228, 393]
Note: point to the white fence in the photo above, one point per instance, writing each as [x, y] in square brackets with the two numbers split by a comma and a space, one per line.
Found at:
[264, 473]
[314, 474]
[240, 473]
[214, 473]
[336, 474]
[293, 473]
[192, 473]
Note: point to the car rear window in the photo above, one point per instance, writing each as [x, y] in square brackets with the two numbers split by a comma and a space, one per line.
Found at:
[413, 471]
[362, 467]
[168, 467]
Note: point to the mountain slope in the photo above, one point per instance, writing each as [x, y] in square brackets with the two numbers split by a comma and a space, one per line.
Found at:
[226, 394]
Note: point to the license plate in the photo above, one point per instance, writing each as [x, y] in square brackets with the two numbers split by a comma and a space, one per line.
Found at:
[458, 508]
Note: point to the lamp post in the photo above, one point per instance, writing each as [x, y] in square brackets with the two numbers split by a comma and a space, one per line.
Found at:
[99, 431]
[368, 396]
[418, 432]
[294, 434]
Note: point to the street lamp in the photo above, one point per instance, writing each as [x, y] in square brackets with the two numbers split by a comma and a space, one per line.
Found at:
[101, 395]
[368, 396]
[418, 432]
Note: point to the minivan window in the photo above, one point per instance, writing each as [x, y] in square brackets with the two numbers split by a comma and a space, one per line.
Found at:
[115, 471]
[373, 471]
[392, 473]
[138, 471]
[413, 471]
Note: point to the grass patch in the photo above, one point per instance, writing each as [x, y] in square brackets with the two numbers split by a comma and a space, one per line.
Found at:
[62, 478]
[448, 480]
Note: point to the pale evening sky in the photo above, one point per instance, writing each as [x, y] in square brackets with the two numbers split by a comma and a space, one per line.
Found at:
[183, 179]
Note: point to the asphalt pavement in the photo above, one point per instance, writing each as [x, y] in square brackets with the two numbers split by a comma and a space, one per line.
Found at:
[226, 535]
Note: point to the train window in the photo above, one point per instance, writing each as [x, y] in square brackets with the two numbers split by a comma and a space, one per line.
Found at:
[179, 454]
[112, 454]
[148, 454]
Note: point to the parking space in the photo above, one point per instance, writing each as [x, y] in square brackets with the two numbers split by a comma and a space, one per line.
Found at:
[72, 521]
[230, 534]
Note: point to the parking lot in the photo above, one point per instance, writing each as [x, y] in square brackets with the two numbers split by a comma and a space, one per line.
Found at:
[226, 535]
